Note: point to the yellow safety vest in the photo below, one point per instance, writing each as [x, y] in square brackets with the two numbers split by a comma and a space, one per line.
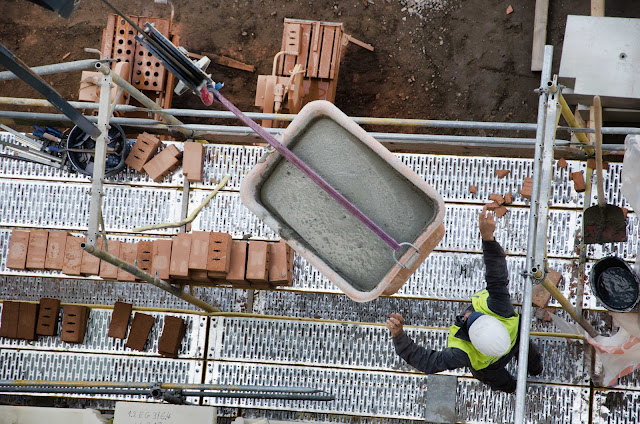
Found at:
[479, 360]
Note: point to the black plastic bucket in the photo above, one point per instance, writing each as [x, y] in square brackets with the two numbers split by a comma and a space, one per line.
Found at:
[83, 162]
[615, 284]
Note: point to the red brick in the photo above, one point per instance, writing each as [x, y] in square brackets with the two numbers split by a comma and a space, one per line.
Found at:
[199, 250]
[145, 147]
[128, 253]
[473, 189]
[578, 181]
[497, 198]
[501, 173]
[55, 250]
[172, 335]
[27, 319]
[91, 264]
[625, 211]
[508, 198]
[527, 186]
[48, 317]
[491, 206]
[258, 262]
[180, 252]
[120, 320]
[163, 163]
[238, 261]
[17, 257]
[219, 254]
[500, 211]
[161, 258]
[280, 264]
[108, 271]
[139, 332]
[37, 251]
[562, 163]
[193, 161]
[74, 323]
[144, 256]
[10, 317]
[73, 255]
[541, 296]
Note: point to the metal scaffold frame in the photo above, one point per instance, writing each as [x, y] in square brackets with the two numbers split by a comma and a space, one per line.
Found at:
[551, 107]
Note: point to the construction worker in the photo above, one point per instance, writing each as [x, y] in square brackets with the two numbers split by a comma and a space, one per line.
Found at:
[486, 336]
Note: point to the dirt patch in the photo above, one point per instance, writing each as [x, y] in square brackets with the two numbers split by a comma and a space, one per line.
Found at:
[435, 59]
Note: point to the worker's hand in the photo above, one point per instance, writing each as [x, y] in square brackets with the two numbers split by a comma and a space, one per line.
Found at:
[394, 324]
[487, 224]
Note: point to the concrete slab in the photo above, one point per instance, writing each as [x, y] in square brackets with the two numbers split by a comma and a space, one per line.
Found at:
[440, 402]
[601, 56]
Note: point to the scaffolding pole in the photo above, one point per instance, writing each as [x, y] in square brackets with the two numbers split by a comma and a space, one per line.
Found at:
[525, 318]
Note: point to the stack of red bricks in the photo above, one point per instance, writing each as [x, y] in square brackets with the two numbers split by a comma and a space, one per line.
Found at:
[26, 320]
[144, 157]
[199, 257]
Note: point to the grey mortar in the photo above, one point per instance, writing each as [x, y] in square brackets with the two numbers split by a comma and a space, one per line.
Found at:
[363, 177]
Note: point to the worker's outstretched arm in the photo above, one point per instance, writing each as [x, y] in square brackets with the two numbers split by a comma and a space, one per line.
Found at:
[495, 262]
[424, 359]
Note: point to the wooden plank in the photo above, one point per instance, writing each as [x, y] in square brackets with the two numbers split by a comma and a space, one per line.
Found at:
[228, 62]
[314, 50]
[597, 7]
[326, 53]
[337, 53]
[360, 43]
[305, 45]
[108, 33]
[539, 34]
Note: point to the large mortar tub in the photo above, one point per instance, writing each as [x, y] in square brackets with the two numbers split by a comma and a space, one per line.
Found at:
[340, 246]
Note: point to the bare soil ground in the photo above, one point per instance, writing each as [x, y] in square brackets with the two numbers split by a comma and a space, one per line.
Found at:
[434, 59]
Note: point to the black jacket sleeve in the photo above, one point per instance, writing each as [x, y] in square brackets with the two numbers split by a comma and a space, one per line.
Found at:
[429, 360]
[497, 277]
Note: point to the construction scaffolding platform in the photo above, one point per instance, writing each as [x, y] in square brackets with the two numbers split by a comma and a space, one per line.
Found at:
[311, 334]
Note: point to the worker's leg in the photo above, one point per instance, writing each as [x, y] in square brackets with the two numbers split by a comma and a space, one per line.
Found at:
[534, 365]
[499, 379]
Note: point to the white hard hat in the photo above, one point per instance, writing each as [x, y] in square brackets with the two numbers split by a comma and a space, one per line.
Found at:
[489, 336]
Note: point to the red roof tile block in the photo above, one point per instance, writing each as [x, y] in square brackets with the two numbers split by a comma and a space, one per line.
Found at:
[37, 252]
[73, 255]
[238, 261]
[139, 332]
[18, 246]
[161, 258]
[193, 161]
[219, 254]
[258, 262]
[55, 250]
[578, 181]
[172, 335]
[74, 323]
[280, 264]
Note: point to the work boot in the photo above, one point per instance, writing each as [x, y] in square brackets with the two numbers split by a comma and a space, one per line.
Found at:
[535, 369]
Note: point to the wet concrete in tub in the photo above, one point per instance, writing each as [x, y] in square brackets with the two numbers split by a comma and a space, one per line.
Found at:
[618, 289]
[329, 230]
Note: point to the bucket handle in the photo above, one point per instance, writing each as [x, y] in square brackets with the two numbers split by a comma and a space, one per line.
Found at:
[410, 261]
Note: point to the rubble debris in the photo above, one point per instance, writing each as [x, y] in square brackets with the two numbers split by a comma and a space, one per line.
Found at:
[527, 186]
[541, 296]
[562, 163]
[497, 198]
[500, 211]
[578, 181]
[473, 189]
[508, 198]
[501, 173]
